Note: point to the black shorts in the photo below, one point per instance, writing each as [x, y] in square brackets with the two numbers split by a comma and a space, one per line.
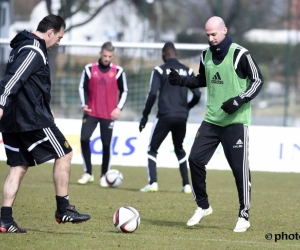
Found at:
[35, 147]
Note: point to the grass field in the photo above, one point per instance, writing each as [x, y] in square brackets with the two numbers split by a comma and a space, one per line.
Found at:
[274, 209]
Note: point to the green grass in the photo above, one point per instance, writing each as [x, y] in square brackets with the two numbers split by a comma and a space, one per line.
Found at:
[274, 209]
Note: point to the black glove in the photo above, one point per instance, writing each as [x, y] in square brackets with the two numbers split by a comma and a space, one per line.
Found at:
[174, 78]
[232, 104]
[143, 123]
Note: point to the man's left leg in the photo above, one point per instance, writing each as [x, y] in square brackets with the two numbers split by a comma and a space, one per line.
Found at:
[61, 176]
[106, 131]
[178, 133]
[235, 142]
[55, 146]
[159, 132]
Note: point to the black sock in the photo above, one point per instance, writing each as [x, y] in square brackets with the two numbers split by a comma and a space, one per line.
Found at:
[62, 202]
[6, 215]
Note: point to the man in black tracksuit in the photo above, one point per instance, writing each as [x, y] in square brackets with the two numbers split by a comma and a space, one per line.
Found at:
[233, 79]
[29, 132]
[173, 111]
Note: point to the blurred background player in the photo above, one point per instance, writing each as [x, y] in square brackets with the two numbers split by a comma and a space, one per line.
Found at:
[172, 115]
[103, 93]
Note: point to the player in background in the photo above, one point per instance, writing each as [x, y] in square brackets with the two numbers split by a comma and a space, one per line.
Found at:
[172, 115]
[30, 135]
[233, 79]
[103, 93]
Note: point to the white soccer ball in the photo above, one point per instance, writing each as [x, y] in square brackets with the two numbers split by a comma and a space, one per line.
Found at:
[114, 178]
[126, 219]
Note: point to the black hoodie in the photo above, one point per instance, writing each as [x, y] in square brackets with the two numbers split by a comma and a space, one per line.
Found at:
[25, 89]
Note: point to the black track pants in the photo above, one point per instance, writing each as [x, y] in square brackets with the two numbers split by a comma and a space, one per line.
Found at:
[89, 124]
[160, 130]
[234, 139]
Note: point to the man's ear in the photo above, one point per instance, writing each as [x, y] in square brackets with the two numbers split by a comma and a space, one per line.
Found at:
[49, 32]
[225, 31]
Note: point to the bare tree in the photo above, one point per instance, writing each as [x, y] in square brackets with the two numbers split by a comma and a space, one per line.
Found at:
[191, 15]
[69, 8]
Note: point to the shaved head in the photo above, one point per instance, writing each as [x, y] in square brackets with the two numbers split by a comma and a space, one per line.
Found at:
[215, 22]
[215, 30]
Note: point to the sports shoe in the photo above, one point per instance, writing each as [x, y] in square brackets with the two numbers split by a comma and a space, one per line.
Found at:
[103, 182]
[242, 225]
[71, 215]
[11, 228]
[86, 178]
[150, 188]
[186, 189]
[198, 215]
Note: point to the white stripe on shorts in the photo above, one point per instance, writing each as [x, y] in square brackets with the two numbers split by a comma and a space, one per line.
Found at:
[37, 143]
[11, 148]
[60, 152]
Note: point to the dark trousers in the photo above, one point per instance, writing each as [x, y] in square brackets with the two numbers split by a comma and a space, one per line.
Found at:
[160, 130]
[89, 124]
[234, 139]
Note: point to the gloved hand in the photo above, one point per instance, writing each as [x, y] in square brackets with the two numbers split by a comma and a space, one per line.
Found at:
[143, 123]
[174, 78]
[232, 104]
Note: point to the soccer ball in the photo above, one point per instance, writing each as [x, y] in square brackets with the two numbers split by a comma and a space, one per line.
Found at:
[114, 178]
[126, 219]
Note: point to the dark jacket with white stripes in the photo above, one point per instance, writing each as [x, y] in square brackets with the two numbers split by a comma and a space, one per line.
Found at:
[173, 100]
[244, 68]
[25, 89]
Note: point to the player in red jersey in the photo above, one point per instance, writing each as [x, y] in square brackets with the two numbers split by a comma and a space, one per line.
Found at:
[103, 93]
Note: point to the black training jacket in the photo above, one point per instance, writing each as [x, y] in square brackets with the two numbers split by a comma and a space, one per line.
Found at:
[25, 89]
[172, 100]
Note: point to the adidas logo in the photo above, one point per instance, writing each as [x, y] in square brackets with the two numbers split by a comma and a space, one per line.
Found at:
[217, 79]
[102, 82]
[235, 103]
[111, 125]
[239, 144]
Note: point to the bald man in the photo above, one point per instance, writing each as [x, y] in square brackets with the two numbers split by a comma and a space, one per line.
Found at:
[233, 79]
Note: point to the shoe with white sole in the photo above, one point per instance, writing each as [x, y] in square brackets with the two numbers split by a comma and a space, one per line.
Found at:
[242, 225]
[198, 215]
[103, 182]
[186, 189]
[86, 178]
[150, 188]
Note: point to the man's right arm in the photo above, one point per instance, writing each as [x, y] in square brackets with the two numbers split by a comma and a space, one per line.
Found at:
[151, 97]
[191, 82]
[83, 87]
